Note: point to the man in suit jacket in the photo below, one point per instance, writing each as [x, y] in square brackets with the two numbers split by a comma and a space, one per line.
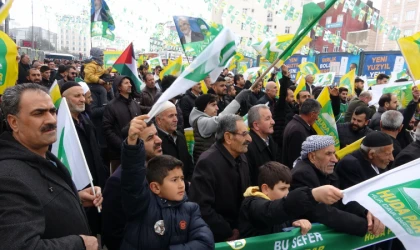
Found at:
[371, 160]
[263, 148]
[189, 35]
[410, 153]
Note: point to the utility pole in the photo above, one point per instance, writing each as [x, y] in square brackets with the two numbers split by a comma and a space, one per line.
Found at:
[33, 45]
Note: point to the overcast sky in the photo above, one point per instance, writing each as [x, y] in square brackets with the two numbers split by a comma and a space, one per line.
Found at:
[126, 14]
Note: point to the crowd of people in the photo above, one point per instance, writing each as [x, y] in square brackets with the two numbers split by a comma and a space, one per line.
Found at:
[154, 194]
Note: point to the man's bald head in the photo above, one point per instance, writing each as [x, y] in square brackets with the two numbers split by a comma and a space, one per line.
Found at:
[271, 89]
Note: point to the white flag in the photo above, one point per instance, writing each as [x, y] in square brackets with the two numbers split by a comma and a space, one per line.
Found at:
[394, 198]
[211, 61]
[68, 150]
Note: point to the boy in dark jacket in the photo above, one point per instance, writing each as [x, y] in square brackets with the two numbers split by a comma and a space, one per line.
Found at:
[269, 208]
[157, 211]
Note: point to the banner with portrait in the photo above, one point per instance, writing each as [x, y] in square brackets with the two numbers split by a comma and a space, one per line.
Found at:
[102, 23]
[192, 32]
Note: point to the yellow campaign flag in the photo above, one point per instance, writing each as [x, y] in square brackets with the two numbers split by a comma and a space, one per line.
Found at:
[8, 64]
[236, 58]
[4, 10]
[140, 61]
[308, 68]
[325, 125]
[347, 81]
[349, 149]
[410, 48]
[203, 87]
[55, 94]
[173, 68]
[301, 86]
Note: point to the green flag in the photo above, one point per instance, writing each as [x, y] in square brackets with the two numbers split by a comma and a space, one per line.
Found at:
[102, 23]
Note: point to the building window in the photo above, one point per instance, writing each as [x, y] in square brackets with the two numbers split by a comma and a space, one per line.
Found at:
[287, 29]
[242, 26]
[338, 33]
[335, 49]
[325, 49]
[244, 11]
[340, 18]
[395, 17]
[269, 27]
[269, 16]
[328, 20]
[252, 10]
[275, 26]
[410, 15]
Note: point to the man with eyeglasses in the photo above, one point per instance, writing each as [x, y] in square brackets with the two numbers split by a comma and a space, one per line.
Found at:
[69, 76]
[221, 176]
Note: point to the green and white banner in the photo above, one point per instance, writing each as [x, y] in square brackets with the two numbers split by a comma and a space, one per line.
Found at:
[324, 79]
[68, 150]
[319, 237]
[394, 198]
[211, 61]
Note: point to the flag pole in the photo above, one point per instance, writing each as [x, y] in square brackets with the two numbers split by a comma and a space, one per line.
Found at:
[265, 72]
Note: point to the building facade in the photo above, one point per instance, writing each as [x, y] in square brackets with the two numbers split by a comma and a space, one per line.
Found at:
[74, 41]
[23, 38]
[346, 27]
[404, 14]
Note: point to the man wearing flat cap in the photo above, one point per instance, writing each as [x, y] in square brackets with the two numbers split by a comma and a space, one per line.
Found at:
[315, 168]
[370, 160]
[173, 141]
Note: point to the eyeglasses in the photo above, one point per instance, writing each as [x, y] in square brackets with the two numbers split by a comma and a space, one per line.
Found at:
[73, 73]
[245, 133]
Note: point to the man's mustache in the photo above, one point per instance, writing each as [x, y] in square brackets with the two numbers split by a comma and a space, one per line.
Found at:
[48, 127]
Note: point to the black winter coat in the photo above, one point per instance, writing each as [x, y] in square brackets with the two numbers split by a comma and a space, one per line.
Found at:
[187, 103]
[353, 169]
[258, 154]
[349, 218]
[116, 120]
[86, 132]
[265, 99]
[97, 113]
[410, 153]
[113, 215]
[295, 133]
[184, 227]
[23, 72]
[374, 123]
[259, 216]
[348, 136]
[40, 206]
[148, 97]
[178, 150]
[283, 113]
[218, 184]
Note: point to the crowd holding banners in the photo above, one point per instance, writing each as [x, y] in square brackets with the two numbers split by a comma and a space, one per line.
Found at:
[228, 184]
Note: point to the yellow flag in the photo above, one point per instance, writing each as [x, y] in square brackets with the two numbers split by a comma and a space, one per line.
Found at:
[203, 87]
[55, 94]
[349, 149]
[4, 10]
[410, 48]
[347, 81]
[236, 58]
[308, 68]
[301, 86]
[173, 68]
[325, 125]
[8, 63]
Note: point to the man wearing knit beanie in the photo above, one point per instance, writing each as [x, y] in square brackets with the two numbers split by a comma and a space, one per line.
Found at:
[370, 160]
[316, 168]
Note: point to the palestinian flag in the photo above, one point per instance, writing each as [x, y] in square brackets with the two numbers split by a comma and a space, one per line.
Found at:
[126, 65]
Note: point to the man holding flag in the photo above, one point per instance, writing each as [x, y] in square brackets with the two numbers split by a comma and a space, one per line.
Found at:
[41, 207]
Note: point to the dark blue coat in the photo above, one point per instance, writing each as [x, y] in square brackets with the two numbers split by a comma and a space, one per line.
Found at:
[143, 209]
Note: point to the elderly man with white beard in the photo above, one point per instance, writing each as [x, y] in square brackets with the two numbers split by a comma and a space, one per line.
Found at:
[75, 97]
[315, 168]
